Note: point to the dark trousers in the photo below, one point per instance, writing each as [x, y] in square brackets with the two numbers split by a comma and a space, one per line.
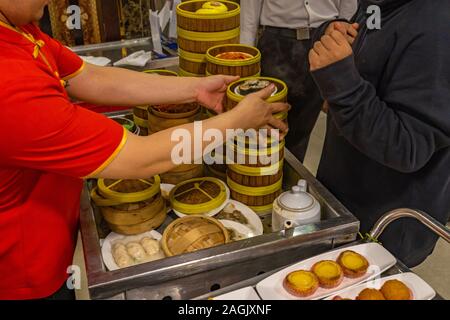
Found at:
[286, 59]
[62, 294]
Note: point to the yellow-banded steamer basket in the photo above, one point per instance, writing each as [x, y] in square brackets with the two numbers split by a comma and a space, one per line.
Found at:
[235, 62]
[234, 98]
[189, 234]
[198, 196]
[130, 206]
[165, 117]
[251, 181]
[255, 183]
[199, 32]
[140, 113]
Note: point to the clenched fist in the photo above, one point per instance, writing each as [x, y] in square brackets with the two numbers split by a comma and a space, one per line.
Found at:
[329, 50]
[350, 31]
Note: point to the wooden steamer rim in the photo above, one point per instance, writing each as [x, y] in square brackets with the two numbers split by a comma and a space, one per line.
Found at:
[223, 15]
[192, 209]
[279, 96]
[151, 191]
[255, 191]
[167, 115]
[233, 63]
[209, 36]
[212, 226]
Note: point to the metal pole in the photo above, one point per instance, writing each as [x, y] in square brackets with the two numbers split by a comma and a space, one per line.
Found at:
[422, 217]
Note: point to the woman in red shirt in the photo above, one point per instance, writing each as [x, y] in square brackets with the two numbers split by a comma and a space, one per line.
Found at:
[55, 144]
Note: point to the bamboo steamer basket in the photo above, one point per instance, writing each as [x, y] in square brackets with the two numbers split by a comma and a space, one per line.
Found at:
[250, 67]
[198, 196]
[192, 63]
[158, 121]
[200, 42]
[187, 19]
[189, 234]
[182, 173]
[140, 113]
[130, 206]
[259, 199]
[281, 96]
[251, 157]
[215, 173]
[184, 73]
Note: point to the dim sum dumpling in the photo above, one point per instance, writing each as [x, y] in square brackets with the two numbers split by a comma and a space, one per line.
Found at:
[151, 246]
[136, 251]
[120, 255]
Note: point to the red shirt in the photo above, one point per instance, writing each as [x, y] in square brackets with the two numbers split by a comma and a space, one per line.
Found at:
[47, 145]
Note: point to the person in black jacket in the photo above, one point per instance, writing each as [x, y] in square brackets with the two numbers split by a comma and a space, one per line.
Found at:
[388, 135]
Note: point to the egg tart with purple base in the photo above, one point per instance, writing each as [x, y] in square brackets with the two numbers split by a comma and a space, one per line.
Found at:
[329, 273]
[353, 264]
[301, 283]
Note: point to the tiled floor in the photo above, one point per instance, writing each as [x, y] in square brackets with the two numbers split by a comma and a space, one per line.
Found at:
[435, 270]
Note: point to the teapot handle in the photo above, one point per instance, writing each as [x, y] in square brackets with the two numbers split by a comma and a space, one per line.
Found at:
[303, 185]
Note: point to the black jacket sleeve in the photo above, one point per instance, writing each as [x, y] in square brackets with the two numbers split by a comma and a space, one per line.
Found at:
[403, 129]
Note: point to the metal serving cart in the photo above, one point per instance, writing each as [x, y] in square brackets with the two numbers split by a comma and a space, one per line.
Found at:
[190, 275]
[229, 267]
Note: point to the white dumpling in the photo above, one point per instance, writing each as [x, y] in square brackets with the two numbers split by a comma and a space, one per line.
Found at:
[120, 255]
[136, 251]
[151, 246]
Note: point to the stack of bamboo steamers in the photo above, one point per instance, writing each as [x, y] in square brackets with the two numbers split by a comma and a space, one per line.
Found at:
[209, 45]
[255, 182]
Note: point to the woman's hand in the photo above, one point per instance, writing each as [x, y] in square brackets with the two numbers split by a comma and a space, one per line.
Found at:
[210, 91]
[255, 113]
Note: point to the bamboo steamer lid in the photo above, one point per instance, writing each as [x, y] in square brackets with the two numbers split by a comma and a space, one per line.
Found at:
[234, 98]
[193, 233]
[188, 19]
[197, 196]
[128, 191]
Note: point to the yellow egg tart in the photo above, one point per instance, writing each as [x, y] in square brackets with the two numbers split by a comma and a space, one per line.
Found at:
[353, 264]
[329, 273]
[301, 283]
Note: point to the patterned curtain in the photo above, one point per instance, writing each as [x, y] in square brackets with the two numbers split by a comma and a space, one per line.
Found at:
[90, 26]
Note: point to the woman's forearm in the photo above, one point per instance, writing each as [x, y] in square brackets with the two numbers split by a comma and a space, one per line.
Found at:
[148, 156]
[118, 86]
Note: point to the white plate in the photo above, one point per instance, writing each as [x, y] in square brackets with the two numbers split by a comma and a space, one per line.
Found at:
[113, 237]
[247, 293]
[420, 289]
[378, 257]
[213, 212]
[240, 228]
[165, 189]
[254, 221]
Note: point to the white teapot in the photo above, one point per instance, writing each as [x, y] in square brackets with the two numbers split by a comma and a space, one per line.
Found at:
[295, 208]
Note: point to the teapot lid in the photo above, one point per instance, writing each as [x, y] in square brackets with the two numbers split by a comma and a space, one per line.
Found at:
[296, 200]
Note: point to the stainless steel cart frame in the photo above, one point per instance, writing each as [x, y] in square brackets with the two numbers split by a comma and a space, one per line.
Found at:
[190, 275]
[374, 234]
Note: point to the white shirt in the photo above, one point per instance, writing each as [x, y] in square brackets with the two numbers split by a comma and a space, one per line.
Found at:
[290, 14]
